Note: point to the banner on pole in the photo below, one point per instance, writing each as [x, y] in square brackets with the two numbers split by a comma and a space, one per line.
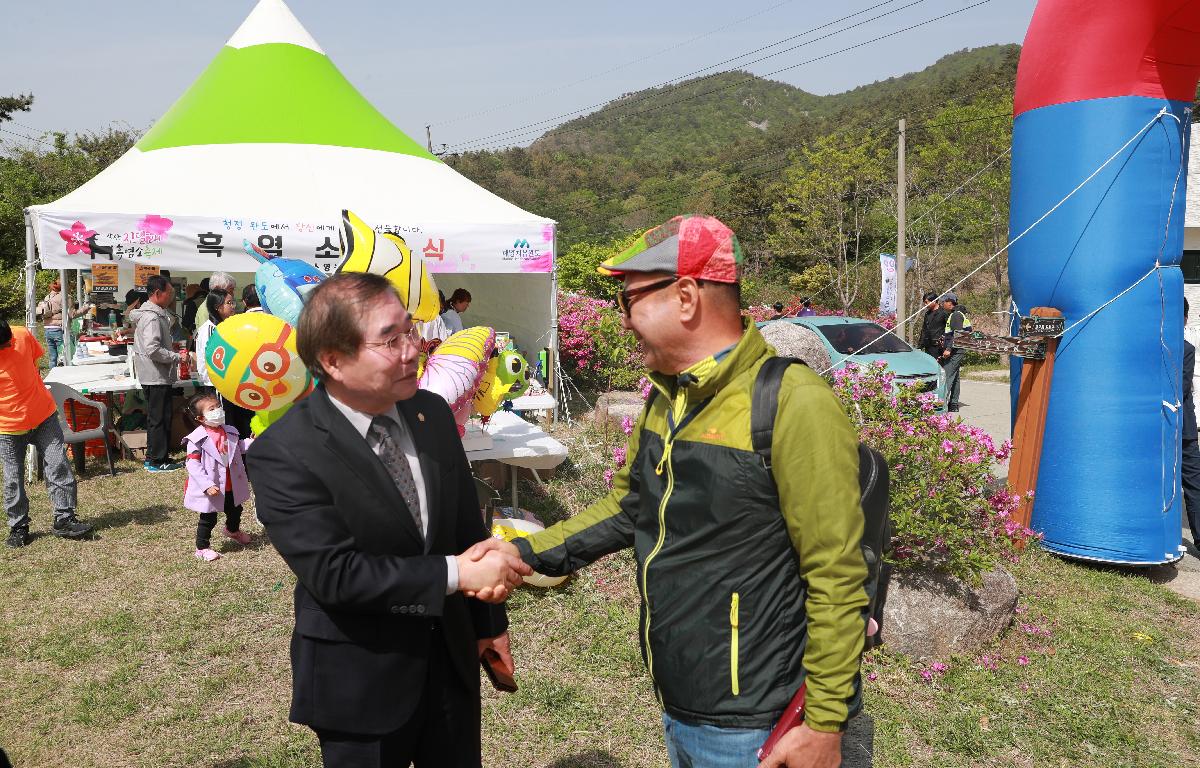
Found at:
[887, 288]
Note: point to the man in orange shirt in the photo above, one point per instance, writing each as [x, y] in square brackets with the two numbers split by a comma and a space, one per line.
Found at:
[28, 416]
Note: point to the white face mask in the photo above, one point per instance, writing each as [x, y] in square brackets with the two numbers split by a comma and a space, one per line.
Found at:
[214, 416]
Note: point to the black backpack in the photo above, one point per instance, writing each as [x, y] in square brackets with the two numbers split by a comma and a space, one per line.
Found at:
[872, 481]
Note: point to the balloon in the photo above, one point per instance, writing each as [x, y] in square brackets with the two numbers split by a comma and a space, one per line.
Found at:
[264, 419]
[513, 372]
[282, 284]
[252, 360]
[456, 368]
[491, 392]
[364, 250]
[509, 529]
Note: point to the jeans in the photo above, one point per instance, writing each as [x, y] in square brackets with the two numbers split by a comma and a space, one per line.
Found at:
[54, 345]
[951, 365]
[47, 437]
[690, 745]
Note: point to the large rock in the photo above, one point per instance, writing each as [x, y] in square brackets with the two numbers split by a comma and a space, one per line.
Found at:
[612, 407]
[791, 340]
[932, 615]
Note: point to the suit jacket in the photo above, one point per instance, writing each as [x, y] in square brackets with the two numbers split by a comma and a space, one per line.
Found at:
[370, 594]
[1189, 408]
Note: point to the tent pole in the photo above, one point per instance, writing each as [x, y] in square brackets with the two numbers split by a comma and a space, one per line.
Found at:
[30, 273]
[554, 325]
[68, 342]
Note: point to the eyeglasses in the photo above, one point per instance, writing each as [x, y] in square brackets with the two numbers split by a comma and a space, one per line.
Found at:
[393, 343]
[626, 295]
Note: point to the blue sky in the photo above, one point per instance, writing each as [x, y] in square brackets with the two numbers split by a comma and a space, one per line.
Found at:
[91, 64]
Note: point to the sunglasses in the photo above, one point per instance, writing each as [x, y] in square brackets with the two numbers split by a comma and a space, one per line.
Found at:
[625, 296]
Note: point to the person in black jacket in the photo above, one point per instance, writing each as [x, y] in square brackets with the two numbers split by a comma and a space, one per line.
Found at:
[933, 326]
[1190, 465]
[366, 493]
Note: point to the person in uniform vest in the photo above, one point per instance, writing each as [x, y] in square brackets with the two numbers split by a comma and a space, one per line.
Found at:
[952, 355]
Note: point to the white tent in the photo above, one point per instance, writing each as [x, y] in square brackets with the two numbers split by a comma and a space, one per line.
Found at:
[269, 145]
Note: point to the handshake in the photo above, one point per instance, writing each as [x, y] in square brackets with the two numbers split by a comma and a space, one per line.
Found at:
[490, 570]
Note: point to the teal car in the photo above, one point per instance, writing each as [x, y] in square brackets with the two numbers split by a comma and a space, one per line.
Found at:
[844, 337]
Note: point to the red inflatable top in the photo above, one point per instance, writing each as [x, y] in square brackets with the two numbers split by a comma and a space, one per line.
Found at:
[1092, 49]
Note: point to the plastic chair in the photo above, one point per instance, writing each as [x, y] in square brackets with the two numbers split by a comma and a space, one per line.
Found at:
[61, 394]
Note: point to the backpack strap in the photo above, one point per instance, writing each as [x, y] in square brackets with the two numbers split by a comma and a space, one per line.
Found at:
[764, 404]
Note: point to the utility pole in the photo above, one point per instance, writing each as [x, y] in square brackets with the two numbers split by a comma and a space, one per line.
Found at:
[429, 139]
[901, 256]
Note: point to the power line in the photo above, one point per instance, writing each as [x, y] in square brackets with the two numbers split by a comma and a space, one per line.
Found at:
[520, 130]
[617, 68]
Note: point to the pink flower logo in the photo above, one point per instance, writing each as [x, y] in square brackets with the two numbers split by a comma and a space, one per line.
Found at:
[77, 238]
[155, 225]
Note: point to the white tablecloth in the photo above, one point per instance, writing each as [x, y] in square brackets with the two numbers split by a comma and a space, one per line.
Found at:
[520, 444]
[101, 377]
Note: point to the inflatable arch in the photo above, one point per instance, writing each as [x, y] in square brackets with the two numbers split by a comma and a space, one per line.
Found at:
[1095, 75]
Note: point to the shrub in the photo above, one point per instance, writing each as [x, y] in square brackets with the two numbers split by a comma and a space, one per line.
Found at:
[594, 346]
[947, 512]
[576, 267]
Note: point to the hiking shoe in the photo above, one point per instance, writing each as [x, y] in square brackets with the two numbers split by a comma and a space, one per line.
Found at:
[241, 537]
[207, 555]
[71, 528]
[17, 538]
[166, 466]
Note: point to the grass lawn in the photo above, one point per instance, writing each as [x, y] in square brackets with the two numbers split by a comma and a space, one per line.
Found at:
[125, 651]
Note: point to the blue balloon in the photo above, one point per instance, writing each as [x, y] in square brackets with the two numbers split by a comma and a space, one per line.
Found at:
[283, 284]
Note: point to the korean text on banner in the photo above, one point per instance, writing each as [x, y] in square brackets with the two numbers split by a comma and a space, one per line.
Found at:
[887, 289]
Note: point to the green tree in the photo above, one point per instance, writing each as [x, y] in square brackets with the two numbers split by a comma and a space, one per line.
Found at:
[833, 208]
[35, 174]
[577, 266]
[10, 104]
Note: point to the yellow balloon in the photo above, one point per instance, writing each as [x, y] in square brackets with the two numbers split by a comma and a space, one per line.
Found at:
[471, 343]
[252, 360]
[491, 390]
[364, 250]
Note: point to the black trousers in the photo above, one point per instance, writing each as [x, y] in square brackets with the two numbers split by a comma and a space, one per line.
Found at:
[238, 417]
[208, 521]
[158, 422]
[1190, 474]
[442, 733]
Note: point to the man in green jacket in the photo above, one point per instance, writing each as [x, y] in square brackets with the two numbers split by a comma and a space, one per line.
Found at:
[751, 579]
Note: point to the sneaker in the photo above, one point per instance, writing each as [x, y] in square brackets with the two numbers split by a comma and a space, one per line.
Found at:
[17, 538]
[71, 528]
[207, 555]
[241, 537]
[166, 466]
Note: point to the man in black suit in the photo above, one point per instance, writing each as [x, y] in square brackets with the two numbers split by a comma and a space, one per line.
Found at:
[1190, 465]
[365, 491]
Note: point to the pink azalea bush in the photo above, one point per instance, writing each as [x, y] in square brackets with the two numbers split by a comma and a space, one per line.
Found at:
[594, 346]
[947, 511]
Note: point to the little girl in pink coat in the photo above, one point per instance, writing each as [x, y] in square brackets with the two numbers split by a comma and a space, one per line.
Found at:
[216, 474]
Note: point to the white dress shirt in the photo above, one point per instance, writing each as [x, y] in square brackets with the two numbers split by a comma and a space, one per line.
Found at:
[362, 425]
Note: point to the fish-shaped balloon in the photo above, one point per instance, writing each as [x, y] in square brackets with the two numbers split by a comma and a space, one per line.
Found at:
[365, 250]
[282, 284]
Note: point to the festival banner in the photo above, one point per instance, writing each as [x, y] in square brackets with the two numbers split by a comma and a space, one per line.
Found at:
[70, 241]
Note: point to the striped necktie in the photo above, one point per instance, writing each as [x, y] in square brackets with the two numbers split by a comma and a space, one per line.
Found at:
[397, 465]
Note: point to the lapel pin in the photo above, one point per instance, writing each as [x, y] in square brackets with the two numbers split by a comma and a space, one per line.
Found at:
[420, 417]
